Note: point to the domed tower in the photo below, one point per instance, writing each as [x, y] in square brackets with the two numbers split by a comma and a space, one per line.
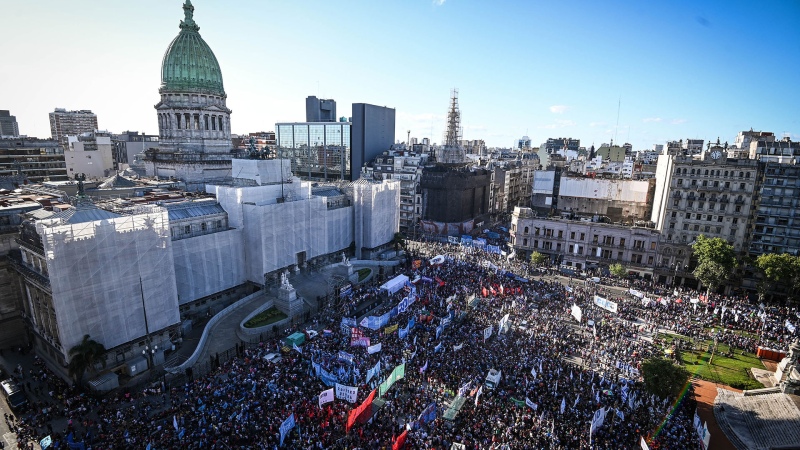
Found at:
[193, 120]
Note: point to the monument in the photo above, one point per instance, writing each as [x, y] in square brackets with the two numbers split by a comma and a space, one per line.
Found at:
[787, 375]
[344, 268]
[287, 300]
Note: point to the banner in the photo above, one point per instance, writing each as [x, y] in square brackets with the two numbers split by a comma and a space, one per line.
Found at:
[487, 333]
[374, 348]
[605, 303]
[530, 403]
[635, 293]
[325, 397]
[346, 356]
[402, 332]
[391, 329]
[438, 348]
[457, 347]
[355, 412]
[348, 393]
[375, 371]
[643, 444]
[286, 426]
[576, 312]
[406, 303]
[398, 373]
[401, 440]
[439, 331]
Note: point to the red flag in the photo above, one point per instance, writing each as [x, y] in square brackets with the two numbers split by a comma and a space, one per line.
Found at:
[485, 292]
[401, 441]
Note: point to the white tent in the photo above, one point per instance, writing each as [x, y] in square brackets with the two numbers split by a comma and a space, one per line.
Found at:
[395, 284]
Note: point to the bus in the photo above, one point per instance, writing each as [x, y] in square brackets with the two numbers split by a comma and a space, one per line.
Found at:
[15, 396]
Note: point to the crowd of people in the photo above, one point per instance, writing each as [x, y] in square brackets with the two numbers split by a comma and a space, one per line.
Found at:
[558, 372]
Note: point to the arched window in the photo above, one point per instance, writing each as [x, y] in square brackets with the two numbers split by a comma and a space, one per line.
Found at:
[526, 230]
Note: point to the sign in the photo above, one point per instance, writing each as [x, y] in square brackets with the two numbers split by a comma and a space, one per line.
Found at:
[46, 442]
[374, 348]
[487, 333]
[346, 356]
[325, 397]
[576, 312]
[605, 303]
[348, 393]
[391, 329]
[635, 293]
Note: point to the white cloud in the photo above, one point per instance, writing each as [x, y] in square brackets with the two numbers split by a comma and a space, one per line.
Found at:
[678, 121]
[439, 2]
[559, 124]
[652, 119]
[597, 124]
[559, 109]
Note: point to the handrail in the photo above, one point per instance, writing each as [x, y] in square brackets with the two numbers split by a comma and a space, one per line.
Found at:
[207, 330]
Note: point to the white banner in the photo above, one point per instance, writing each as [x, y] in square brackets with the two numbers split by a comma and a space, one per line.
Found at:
[487, 333]
[457, 347]
[502, 324]
[348, 393]
[644, 445]
[605, 303]
[326, 397]
[576, 312]
[374, 348]
[530, 403]
[635, 293]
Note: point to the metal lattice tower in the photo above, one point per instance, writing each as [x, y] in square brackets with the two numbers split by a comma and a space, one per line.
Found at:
[452, 136]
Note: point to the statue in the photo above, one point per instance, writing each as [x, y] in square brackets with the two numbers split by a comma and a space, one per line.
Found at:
[285, 280]
[344, 259]
[80, 178]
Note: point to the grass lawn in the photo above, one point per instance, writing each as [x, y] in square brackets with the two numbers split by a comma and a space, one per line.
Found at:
[265, 317]
[723, 370]
[363, 274]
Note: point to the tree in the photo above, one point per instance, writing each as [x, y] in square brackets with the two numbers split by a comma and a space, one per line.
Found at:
[664, 379]
[85, 356]
[537, 259]
[715, 261]
[618, 270]
[780, 268]
[399, 241]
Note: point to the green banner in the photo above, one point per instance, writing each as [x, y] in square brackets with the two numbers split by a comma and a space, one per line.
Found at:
[454, 408]
[398, 373]
[518, 402]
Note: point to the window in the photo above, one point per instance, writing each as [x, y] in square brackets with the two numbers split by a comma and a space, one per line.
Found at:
[619, 256]
[741, 186]
[560, 234]
[525, 242]
[652, 246]
[686, 226]
[674, 214]
[735, 219]
[676, 203]
[719, 219]
[680, 181]
[571, 248]
[203, 226]
[526, 230]
[572, 235]
[672, 226]
[697, 228]
[583, 236]
[187, 229]
[738, 208]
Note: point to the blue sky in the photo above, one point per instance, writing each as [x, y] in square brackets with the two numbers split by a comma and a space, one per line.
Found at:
[679, 69]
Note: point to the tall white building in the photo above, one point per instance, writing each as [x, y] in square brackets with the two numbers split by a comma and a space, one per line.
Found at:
[91, 154]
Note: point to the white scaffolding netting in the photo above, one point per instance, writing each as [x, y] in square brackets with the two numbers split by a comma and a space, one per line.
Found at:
[105, 273]
[377, 213]
[207, 264]
[279, 235]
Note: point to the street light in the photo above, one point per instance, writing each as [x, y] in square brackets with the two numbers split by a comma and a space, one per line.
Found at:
[149, 353]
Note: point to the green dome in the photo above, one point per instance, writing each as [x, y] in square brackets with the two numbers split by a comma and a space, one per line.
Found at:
[189, 65]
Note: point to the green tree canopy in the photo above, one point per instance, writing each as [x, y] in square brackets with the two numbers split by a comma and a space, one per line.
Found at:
[781, 268]
[85, 356]
[399, 241]
[715, 261]
[618, 270]
[537, 259]
[663, 378]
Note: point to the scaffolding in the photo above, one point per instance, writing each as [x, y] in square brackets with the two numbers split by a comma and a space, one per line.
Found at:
[112, 277]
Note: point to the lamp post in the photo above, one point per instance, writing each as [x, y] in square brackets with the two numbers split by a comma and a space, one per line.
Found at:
[149, 352]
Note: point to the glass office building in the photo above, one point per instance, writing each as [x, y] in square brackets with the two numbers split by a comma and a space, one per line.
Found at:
[319, 151]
